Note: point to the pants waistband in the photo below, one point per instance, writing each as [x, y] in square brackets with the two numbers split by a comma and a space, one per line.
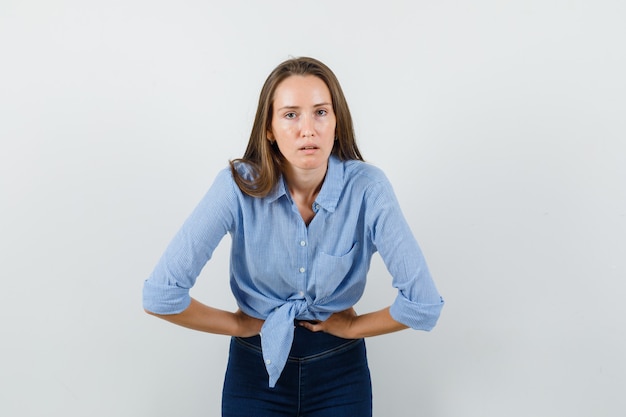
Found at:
[305, 342]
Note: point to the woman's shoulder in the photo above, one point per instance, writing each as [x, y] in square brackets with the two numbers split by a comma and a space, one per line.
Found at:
[360, 170]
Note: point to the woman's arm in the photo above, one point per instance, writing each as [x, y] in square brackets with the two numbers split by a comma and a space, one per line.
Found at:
[212, 320]
[348, 325]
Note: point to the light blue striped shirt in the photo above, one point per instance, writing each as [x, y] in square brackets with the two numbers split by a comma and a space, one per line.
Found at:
[281, 270]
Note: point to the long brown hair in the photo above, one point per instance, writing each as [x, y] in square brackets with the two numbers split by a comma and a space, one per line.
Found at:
[265, 159]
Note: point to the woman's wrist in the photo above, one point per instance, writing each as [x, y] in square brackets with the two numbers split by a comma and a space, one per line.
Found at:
[247, 326]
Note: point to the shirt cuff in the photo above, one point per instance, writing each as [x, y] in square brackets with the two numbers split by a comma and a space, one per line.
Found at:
[165, 299]
[418, 316]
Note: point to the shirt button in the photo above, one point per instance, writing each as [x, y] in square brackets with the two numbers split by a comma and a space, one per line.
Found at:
[302, 243]
[267, 361]
[302, 269]
[301, 293]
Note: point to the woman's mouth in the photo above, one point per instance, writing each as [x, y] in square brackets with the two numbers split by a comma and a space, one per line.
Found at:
[309, 149]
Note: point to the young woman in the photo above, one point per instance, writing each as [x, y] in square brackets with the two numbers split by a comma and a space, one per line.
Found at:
[305, 215]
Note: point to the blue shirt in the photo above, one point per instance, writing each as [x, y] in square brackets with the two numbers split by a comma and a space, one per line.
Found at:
[281, 270]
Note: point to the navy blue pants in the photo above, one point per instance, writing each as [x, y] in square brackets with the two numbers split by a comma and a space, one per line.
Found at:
[325, 376]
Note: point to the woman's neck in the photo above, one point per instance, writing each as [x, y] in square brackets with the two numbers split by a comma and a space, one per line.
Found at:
[304, 186]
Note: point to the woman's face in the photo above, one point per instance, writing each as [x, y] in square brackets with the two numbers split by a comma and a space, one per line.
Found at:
[303, 122]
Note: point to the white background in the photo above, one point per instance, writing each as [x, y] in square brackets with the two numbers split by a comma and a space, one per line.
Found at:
[501, 125]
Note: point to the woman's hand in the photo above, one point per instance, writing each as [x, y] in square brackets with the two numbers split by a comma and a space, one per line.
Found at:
[348, 325]
[339, 324]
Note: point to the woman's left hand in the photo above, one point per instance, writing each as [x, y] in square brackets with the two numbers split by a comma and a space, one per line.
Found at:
[338, 324]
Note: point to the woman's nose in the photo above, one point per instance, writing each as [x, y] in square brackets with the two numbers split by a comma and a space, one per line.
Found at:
[307, 128]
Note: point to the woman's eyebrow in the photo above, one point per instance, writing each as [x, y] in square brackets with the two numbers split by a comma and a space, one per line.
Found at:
[288, 108]
[298, 107]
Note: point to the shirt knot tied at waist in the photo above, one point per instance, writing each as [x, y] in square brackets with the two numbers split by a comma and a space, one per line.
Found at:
[277, 334]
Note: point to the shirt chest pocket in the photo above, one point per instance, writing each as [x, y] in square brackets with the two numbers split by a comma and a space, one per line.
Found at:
[331, 271]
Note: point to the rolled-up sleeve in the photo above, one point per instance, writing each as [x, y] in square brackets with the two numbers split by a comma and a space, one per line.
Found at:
[419, 316]
[163, 298]
[166, 291]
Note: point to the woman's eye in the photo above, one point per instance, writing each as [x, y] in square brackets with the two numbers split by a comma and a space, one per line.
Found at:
[322, 112]
[290, 115]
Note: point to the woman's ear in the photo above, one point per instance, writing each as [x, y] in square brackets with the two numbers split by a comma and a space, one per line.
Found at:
[270, 136]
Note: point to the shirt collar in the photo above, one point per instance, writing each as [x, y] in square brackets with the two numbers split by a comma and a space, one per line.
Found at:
[278, 191]
[331, 189]
[333, 185]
